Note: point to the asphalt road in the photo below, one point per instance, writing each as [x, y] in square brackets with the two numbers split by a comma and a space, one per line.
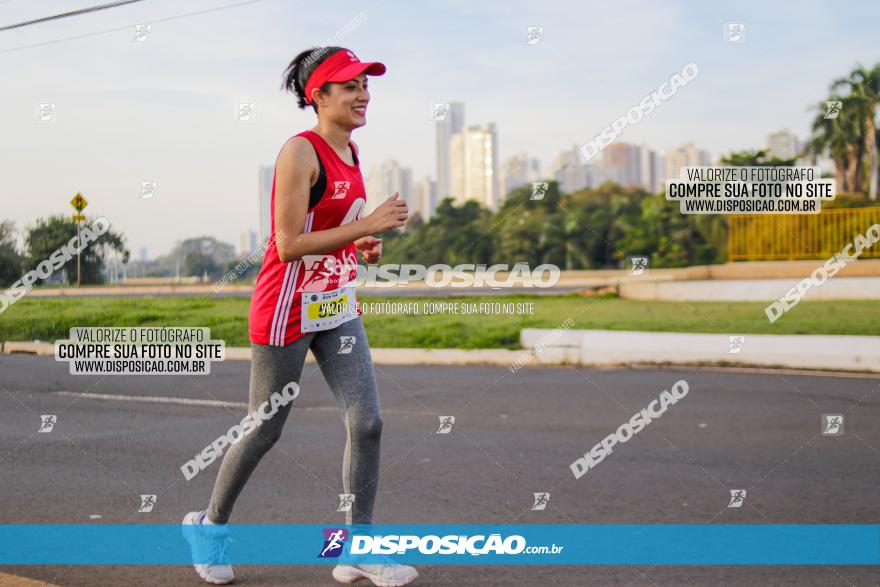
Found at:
[514, 434]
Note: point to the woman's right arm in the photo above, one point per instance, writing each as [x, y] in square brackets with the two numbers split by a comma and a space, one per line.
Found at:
[297, 164]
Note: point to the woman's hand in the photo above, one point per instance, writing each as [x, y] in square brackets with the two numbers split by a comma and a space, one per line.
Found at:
[392, 213]
[371, 248]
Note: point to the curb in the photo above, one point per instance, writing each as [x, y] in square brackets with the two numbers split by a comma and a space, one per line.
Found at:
[28, 348]
[747, 290]
[382, 356]
[604, 348]
[601, 348]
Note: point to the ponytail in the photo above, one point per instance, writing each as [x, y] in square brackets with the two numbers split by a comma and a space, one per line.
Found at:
[297, 74]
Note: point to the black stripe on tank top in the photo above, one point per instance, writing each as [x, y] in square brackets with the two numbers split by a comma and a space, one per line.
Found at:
[320, 186]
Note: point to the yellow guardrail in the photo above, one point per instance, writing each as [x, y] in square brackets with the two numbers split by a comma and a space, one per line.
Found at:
[753, 237]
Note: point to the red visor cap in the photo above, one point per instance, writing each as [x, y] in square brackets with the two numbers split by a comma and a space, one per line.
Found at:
[341, 67]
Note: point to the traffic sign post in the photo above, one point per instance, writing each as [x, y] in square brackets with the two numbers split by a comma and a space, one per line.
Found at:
[79, 203]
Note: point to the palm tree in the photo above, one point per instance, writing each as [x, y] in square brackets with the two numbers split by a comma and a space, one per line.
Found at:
[864, 86]
[560, 241]
[840, 137]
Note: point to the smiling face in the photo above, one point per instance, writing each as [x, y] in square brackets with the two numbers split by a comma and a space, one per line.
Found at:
[345, 103]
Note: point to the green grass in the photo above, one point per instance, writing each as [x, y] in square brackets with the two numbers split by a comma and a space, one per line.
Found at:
[49, 319]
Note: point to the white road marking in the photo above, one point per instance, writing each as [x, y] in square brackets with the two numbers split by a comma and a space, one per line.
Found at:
[186, 401]
[152, 399]
[736, 369]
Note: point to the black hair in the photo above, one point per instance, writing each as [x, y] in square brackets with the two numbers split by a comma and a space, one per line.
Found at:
[303, 65]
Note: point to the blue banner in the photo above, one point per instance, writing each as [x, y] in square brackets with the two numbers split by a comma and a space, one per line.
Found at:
[562, 544]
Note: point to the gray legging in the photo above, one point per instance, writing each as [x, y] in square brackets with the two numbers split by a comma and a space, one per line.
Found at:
[353, 382]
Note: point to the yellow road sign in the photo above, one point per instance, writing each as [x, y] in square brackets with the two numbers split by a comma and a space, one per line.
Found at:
[78, 202]
[79, 218]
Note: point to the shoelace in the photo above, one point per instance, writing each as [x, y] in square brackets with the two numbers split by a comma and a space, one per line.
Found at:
[220, 548]
[388, 566]
[218, 544]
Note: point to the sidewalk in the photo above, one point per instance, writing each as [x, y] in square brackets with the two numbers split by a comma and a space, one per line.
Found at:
[859, 280]
[608, 347]
[604, 348]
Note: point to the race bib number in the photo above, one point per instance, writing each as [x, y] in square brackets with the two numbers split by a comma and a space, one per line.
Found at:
[328, 309]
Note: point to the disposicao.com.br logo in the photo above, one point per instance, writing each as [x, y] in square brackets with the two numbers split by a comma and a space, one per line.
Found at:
[450, 544]
[323, 271]
[462, 275]
[334, 542]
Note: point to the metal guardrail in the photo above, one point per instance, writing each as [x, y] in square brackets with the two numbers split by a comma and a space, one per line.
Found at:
[774, 237]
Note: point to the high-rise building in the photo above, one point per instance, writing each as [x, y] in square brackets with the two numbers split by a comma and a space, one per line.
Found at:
[685, 156]
[374, 183]
[569, 170]
[451, 124]
[425, 198]
[473, 158]
[622, 164]
[248, 243]
[384, 180]
[652, 169]
[573, 174]
[266, 177]
[456, 169]
[782, 144]
[518, 170]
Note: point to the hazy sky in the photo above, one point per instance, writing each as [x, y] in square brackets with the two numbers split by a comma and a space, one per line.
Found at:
[163, 109]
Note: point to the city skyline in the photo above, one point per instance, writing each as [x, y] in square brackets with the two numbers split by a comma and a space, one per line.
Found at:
[163, 109]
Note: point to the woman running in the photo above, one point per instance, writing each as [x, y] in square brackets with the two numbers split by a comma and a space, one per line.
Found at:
[304, 297]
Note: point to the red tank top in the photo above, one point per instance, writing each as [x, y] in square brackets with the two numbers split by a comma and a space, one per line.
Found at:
[316, 292]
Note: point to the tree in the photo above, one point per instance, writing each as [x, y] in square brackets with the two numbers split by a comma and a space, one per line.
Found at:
[756, 159]
[864, 86]
[415, 221]
[597, 219]
[519, 227]
[209, 253]
[244, 270]
[454, 235]
[7, 236]
[48, 235]
[10, 258]
[591, 228]
[10, 268]
[197, 263]
[839, 137]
